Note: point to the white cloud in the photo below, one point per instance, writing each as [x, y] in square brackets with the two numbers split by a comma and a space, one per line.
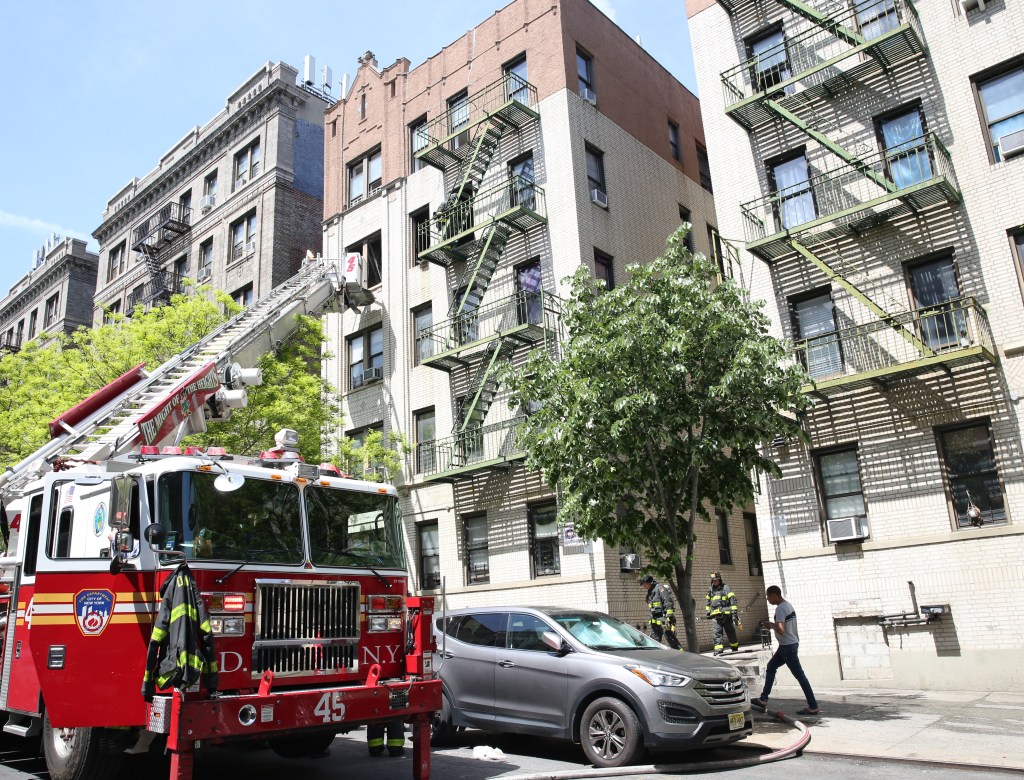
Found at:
[38, 226]
[605, 6]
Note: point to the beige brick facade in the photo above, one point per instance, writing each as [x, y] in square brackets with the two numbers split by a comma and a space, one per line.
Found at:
[890, 399]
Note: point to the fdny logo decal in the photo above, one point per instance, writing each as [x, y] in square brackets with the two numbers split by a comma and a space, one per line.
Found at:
[93, 609]
[99, 520]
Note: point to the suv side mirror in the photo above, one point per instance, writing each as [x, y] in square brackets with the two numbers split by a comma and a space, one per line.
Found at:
[556, 643]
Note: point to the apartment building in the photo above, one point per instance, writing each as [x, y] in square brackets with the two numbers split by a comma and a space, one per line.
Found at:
[55, 296]
[470, 186]
[235, 204]
[873, 152]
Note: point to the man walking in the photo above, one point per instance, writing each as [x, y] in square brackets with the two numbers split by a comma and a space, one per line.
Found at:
[663, 611]
[722, 609]
[784, 626]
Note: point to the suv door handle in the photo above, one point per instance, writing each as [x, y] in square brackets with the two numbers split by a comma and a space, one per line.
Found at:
[449, 654]
[505, 664]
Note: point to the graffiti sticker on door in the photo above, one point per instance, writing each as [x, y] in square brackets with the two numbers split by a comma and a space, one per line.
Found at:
[93, 609]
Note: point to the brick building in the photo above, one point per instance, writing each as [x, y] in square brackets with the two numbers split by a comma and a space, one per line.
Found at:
[54, 297]
[234, 204]
[872, 198]
[472, 185]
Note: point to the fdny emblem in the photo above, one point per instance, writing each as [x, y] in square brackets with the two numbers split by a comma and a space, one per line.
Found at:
[93, 609]
[99, 520]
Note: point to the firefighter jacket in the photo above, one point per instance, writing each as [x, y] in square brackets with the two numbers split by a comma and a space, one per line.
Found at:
[721, 603]
[181, 646]
[661, 604]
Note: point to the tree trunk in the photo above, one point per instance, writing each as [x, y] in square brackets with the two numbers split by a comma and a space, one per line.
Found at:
[684, 574]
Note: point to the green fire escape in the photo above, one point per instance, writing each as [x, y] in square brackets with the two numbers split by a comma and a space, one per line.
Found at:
[468, 235]
[790, 79]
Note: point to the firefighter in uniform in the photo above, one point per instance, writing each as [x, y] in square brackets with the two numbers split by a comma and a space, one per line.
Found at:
[722, 609]
[663, 611]
[395, 742]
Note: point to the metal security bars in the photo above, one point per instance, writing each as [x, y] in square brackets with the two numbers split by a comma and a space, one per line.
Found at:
[478, 448]
[953, 332]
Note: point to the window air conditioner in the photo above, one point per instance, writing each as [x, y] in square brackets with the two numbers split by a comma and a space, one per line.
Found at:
[588, 95]
[207, 202]
[373, 375]
[629, 562]
[847, 529]
[1011, 144]
[205, 272]
[250, 247]
[240, 182]
[970, 5]
[598, 197]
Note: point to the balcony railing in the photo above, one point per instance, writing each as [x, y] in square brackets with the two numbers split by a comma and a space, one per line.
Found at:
[444, 139]
[526, 316]
[162, 228]
[10, 343]
[517, 202]
[159, 288]
[819, 58]
[910, 342]
[476, 449]
[917, 172]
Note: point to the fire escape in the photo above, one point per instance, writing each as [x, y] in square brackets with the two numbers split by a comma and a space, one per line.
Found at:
[163, 229]
[467, 236]
[823, 50]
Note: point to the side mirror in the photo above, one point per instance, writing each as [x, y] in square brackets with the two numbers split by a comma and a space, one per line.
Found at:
[124, 544]
[556, 643]
[155, 534]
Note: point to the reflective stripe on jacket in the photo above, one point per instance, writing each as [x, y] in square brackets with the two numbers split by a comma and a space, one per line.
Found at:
[721, 602]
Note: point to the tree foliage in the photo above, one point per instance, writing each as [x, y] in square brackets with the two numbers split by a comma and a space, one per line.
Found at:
[377, 459]
[667, 389]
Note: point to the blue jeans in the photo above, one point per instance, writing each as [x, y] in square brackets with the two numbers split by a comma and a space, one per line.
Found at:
[786, 656]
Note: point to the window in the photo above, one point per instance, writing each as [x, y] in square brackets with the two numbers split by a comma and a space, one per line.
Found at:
[717, 253]
[430, 558]
[247, 164]
[529, 301]
[370, 249]
[544, 540]
[684, 216]
[603, 269]
[585, 73]
[364, 177]
[422, 321]
[516, 83]
[1002, 104]
[526, 632]
[420, 232]
[478, 569]
[466, 322]
[52, 310]
[521, 182]
[362, 105]
[838, 473]
[906, 157]
[458, 118]
[243, 236]
[243, 297]
[673, 140]
[971, 474]
[32, 323]
[817, 342]
[1016, 246]
[185, 206]
[180, 272]
[116, 261]
[483, 630]
[426, 434]
[470, 442]
[769, 58]
[724, 550]
[705, 168]
[754, 565]
[794, 198]
[20, 334]
[210, 185]
[110, 313]
[876, 17]
[595, 170]
[933, 288]
[205, 269]
[418, 141]
[366, 357]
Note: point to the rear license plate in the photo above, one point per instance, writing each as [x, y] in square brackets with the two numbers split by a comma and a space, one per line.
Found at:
[736, 721]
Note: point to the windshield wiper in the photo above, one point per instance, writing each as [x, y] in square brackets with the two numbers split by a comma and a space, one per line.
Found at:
[224, 578]
[362, 557]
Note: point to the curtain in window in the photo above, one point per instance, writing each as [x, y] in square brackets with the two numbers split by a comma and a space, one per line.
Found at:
[1003, 98]
[905, 152]
[595, 171]
[841, 485]
[771, 64]
[971, 467]
[876, 17]
[794, 195]
[521, 174]
[815, 323]
[516, 83]
[528, 284]
[934, 286]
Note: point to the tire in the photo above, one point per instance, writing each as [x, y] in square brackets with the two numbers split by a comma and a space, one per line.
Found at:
[303, 745]
[610, 733]
[80, 754]
[441, 728]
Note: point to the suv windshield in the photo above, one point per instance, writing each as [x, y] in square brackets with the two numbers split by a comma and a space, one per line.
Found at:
[603, 632]
[258, 522]
[350, 528]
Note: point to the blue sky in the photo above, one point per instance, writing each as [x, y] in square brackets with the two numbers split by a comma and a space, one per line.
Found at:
[97, 91]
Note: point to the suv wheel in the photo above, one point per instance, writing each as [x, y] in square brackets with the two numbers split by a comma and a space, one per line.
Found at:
[441, 728]
[610, 733]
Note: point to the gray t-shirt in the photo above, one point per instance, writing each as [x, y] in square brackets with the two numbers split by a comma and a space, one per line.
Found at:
[784, 613]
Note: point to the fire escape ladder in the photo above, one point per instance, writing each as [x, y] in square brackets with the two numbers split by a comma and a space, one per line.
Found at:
[861, 296]
[824, 21]
[485, 382]
[478, 274]
[473, 168]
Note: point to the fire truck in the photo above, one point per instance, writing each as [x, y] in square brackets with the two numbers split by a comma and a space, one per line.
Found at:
[302, 571]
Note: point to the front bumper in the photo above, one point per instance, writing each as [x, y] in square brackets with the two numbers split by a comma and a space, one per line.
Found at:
[710, 732]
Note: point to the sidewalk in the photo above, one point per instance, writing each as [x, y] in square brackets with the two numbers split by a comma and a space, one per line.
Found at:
[976, 728]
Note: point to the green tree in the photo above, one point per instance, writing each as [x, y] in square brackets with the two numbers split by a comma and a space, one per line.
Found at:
[377, 459]
[667, 388]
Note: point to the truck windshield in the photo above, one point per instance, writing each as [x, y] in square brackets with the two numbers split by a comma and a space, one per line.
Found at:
[259, 522]
[350, 528]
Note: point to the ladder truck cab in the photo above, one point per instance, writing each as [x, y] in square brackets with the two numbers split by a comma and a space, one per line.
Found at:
[301, 570]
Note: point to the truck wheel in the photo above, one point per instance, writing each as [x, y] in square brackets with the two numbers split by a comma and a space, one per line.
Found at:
[79, 754]
[441, 728]
[610, 733]
[302, 746]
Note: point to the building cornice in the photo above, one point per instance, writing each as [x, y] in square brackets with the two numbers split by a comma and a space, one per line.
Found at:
[53, 271]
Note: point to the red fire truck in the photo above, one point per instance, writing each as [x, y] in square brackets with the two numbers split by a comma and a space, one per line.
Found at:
[302, 571]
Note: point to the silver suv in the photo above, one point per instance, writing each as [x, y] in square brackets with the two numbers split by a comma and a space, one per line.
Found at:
[585, 676]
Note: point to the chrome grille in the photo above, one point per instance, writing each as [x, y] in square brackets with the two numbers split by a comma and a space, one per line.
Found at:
[306, 627]
[721, 692]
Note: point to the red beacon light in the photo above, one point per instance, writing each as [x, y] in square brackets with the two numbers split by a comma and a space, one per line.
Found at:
[268, 455]
[331, 469]
[171, 451]
[193, 451]
[216, 452]
[149, 449]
